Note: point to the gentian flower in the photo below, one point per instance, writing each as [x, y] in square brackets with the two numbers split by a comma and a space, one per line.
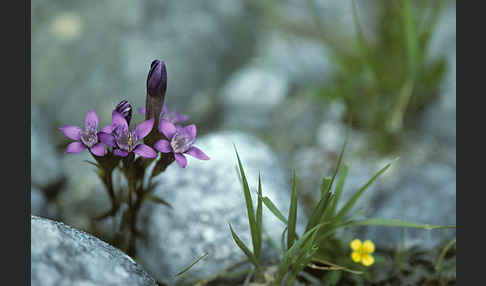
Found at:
[156, 87]
[168, 114]
[125, 109]
[125, 141]
[87, 138]
[180, 141]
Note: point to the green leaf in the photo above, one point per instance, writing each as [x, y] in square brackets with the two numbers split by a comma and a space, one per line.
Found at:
[283, 239]
[398, 223]
[438, 265]
[318, 210]
[157, 200]
[339, 188]
[284, 264]
[350, 203]
[244, 248]
[192, 264]
[94, 164]
[332, 266]
[410, 36]
[292, 213]
[271, 206]
[249, 204]
[259, 215]
[340, 158]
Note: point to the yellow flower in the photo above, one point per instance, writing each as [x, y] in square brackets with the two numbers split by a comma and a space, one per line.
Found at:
[362, 251]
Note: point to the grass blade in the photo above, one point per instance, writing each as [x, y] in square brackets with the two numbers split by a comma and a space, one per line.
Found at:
[332, 266]
[398, 223]
[192, 264]
[259, 226]
[158, 200]
[319, 208]
[249, 204]
[292, 213]
[350, 203]
[284, 264]
[340, 158]
[339, 188]
[243, 247]
[438, 265]
[271, 206]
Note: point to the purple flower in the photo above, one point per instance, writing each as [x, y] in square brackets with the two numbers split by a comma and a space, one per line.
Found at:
[125, 109]
[156, 87]
[124, 141]
[180, 141]
[168, 114]
[157, 79]
[87, 138]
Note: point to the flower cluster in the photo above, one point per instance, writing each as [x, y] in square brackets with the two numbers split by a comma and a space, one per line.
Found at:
[362, 252]
[124, 141]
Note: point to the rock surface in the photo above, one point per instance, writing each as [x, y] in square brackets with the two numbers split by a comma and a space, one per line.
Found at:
[206, 196]
[62, 255]
[84, 54]
[44, 159]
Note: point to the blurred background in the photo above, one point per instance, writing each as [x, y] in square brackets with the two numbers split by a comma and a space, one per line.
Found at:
[292, 73]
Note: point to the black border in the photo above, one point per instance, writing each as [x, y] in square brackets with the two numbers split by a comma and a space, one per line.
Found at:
[15, 156]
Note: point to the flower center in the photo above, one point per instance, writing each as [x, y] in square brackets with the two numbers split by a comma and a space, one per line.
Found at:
[125, 139]
[181, 142]
[89, 137]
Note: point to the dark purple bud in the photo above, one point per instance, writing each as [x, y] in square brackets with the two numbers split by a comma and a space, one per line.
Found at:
[157, 79]
[125, 109]
[156, 87]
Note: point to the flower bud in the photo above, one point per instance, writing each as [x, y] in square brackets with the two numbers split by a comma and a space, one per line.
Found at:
[156, 87]
[125, 109]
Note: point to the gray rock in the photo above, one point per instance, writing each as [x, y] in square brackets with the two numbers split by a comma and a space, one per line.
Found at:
[37, 202]
[250, 96]
[84, 195]
[44, 159]
[62, 255]
[302, 60]
[85, 54]
[206, 196]
[424, 195]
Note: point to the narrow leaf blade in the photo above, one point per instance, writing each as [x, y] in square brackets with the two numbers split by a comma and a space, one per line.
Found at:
[292, 213]
[243, 247]
[271, 206]
[249, 203]
[398, 223]
[192, 264]
[352, 201]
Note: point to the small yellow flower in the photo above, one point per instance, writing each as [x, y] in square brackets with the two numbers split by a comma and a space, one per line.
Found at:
[362, 251]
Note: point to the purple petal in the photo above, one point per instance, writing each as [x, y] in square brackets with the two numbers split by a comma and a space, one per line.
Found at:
[117, 120]
[144, 128]
[181, 160]
[142, 110]
[91, 119]
[145, 151]
[191, 131]
[71, 132]
[75, 147]
[99, 149]
[120, 153]
[181, 117]
[106, 138]
[107, 129]
[163, 146]
[197, 153]
[167, 128]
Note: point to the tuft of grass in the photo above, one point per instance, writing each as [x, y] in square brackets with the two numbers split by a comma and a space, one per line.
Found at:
[309, 249]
